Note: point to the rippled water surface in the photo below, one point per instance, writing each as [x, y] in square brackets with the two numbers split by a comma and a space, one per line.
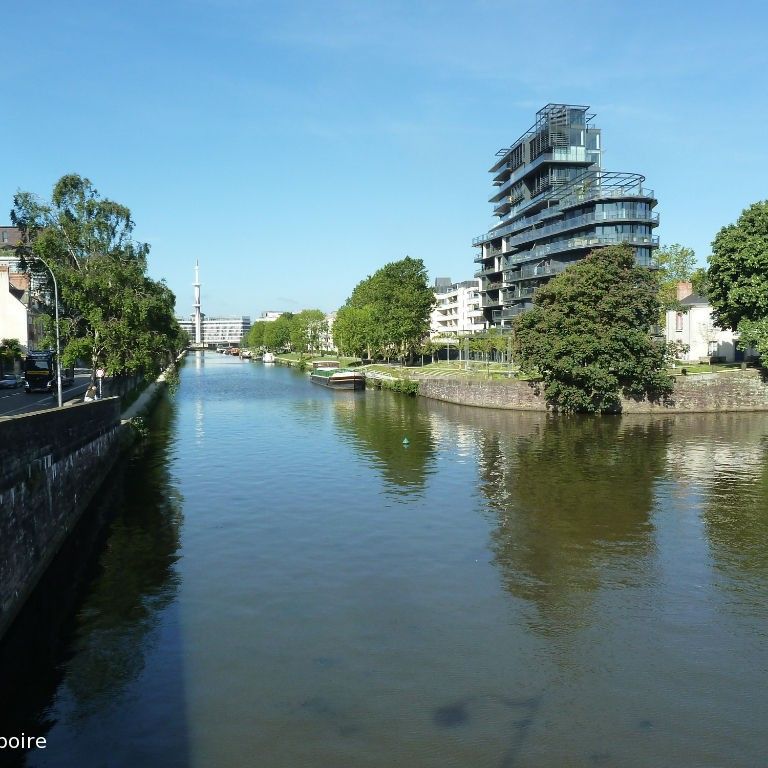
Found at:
[282, 583]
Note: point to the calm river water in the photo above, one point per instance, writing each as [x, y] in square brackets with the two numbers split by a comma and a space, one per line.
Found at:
[281, 583]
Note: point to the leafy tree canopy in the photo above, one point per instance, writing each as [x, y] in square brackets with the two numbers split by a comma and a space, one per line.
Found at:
[308, 329]
[397, 301]
[110, 311]
[255, 338]
[676, 265]
[354, 331]
[737, 278]
[700, 282]
[588, 335]
[277, 333]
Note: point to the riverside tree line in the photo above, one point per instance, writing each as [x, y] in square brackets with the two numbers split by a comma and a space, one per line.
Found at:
[588, 337]
[111, 313]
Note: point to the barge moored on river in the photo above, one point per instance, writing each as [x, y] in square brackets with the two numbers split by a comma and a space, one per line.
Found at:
[329, 375]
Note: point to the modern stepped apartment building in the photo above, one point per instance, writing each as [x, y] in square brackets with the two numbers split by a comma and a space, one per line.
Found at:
[555, 204]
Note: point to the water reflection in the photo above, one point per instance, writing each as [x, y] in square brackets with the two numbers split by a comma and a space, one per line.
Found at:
[100, 653]
[727, 459]
[574, 499]
[378, 423]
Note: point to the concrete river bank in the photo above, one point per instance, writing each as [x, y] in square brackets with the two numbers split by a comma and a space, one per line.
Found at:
[280, 582]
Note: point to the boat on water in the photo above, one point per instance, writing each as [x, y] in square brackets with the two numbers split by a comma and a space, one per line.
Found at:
[337, 378]
[268, 358]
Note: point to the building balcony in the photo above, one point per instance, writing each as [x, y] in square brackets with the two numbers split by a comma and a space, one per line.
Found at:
[488, 271]
[530, 272]
[509, 312]
[630, 191]
[572, 155]
[579, 243]
[491, 286]
[517, 293]
[581, 221]
[488, 301]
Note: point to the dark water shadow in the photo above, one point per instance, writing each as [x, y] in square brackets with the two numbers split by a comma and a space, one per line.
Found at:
[87, 625]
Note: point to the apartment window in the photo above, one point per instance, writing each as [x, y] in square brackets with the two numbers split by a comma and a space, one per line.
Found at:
[679, 322]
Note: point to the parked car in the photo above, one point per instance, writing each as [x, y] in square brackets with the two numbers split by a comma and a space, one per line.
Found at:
[11, 381]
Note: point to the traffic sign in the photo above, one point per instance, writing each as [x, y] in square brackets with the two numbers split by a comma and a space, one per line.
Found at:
[99, 373]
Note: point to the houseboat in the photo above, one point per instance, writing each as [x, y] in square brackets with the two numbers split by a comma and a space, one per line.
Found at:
[337, 378]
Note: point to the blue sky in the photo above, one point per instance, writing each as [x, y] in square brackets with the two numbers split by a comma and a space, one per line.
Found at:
[295, 147]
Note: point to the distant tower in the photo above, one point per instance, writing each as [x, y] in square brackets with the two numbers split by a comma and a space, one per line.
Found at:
[198, 324]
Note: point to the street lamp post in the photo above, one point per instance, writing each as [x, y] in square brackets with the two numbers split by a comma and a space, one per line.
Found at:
[58, 345]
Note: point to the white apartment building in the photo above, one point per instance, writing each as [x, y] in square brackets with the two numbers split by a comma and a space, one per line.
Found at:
[268, 317]
[458, 311]
[218, 330]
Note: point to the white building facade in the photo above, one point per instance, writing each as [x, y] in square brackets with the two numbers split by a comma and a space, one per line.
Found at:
[693, 327]
[268, 317]
[458, 311]
[218, 330]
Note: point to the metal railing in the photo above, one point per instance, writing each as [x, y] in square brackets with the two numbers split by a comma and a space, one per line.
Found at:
[595, 193]
[576, 243]
[581, 221]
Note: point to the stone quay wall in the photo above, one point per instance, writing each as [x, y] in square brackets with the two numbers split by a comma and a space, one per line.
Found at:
[51, 466]
[737, 390]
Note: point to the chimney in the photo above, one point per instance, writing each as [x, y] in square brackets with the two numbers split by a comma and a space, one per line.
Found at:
[684, 290]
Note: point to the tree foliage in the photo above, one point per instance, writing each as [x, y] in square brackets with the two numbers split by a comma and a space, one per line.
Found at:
[10, 350]
[354, 332]
[588, 334]
[676, 265]
[308, 329]
[255, 338]
[737, 278]
[754, 333]
[700, 282]
[277, 333]
[388, 312]
[111, 312]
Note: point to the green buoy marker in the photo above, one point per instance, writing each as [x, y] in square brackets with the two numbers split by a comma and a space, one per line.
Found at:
[406, 441]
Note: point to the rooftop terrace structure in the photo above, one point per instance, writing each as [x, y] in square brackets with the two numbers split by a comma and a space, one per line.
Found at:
[555, 204]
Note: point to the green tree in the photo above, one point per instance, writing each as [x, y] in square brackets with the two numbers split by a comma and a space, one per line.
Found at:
[308, 328]
[255, 338]
[354, 331]
[700, 282]
[676, 265]
[588, 334]
[111, 313]
[737, 278]
[10, 351]
[399, 301]
[277, 334]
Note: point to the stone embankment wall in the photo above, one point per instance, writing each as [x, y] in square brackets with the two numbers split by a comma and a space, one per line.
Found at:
[51, 465]
[738, 390]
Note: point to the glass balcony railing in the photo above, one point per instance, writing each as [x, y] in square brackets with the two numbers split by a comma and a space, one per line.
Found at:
[530, 272]
[577, 243]
[581, 221]
[509, 312]
[596, 193]
[565, 155]
[487, 271]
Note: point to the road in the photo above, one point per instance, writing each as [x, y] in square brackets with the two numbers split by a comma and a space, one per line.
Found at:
[14, 402]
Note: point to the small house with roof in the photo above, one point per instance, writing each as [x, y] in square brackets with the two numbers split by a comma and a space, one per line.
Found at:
[692, 325]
